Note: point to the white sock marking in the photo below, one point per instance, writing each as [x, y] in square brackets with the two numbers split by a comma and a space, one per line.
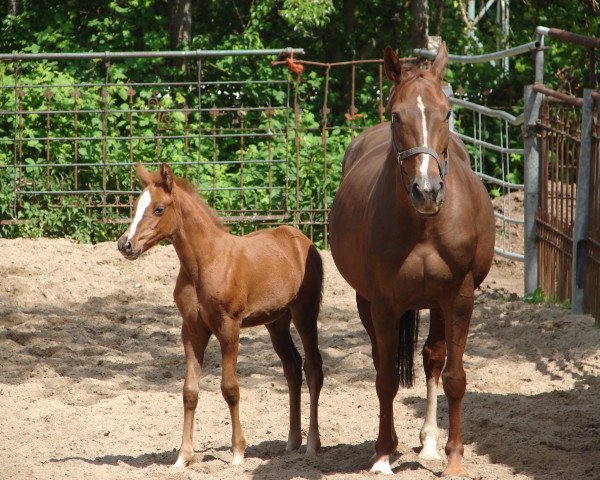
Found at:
[429, 432]
[424, 157]
[142, 205]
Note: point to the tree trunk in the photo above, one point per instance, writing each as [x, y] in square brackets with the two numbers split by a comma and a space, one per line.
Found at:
[180, 23]
[13, 7]
[419, 33]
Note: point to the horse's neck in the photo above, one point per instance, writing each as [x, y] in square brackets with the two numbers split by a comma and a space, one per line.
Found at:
[197, 238]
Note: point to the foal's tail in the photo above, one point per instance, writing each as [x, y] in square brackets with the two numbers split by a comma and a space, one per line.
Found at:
[409, 332]
[315, 264]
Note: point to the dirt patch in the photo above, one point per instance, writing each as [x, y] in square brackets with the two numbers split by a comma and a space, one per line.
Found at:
[91, 370]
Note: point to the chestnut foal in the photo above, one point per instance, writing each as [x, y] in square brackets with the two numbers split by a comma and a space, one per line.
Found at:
[225, 283]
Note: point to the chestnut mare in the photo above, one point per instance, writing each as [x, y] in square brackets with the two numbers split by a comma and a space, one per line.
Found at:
[402, 251]
[225, 283]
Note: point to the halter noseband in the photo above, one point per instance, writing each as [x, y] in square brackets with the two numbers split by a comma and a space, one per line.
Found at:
[404, 154]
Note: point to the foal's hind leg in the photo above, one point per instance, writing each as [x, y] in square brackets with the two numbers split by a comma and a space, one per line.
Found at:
[434, 355]
[292, 369]
[305, 321]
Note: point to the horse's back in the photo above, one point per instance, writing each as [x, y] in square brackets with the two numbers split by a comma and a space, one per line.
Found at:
[368, 143]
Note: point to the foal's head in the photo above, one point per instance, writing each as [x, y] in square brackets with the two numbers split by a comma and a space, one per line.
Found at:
[155, 218]
[420, 132]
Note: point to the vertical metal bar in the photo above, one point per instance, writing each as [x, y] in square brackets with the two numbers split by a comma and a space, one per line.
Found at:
[76, 95]
[297, 149]
[130, 94]
[352, 104]
[324, 142]
[269, 113]
[381, 107]
[538, 60]
[532, 186]
[214, 113]
[241, 116]
[18, 140]
[199, 88]
[48, 95]
[104, 101]
[580, 227]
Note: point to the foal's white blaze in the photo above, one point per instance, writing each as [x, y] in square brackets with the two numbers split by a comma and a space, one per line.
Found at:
[424, 157]
[142, 205]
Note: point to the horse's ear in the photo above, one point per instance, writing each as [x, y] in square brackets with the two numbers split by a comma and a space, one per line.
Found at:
[438, 67]
[143, 174]
[166, 174]
[393, 67]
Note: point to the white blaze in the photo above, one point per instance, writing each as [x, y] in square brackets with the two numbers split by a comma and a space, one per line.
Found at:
[424, 157]
[142, 205]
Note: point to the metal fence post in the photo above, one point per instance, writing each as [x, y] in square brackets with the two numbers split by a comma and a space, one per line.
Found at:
[580, 226]
[533, 101]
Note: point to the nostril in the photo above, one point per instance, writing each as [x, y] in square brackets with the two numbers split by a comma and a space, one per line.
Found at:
[416, 191]
[127, 246]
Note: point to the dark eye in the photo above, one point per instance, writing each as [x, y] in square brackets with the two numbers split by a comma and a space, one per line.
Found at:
[448, 114]
[395, 117]
[159, 210]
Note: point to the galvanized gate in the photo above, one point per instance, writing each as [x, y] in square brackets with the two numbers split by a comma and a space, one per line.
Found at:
[73, 142]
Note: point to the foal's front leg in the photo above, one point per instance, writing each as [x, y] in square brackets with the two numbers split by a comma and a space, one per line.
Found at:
[195, 338]
[229, 336]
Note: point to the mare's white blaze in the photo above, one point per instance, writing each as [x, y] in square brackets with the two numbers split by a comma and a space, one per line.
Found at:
[142, 205]
[424, 157]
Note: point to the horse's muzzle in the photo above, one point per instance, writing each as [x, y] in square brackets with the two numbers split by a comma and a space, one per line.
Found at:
[126, 248]
[427, 196]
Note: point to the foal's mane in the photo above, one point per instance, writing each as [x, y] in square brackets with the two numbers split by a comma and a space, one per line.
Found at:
[191, 189]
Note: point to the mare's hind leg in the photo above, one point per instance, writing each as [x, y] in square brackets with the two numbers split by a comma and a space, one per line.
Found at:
[305, 320]
[434, 356]
[292, 369]
[458, 317]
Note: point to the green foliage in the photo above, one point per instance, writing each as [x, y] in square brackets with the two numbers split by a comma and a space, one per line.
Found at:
[538, 297]
[329, 31]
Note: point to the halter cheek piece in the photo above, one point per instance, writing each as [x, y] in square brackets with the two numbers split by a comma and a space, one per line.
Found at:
[404, 154]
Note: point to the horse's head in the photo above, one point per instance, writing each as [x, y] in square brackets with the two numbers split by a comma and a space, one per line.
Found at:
[419, 113]
[155, 217]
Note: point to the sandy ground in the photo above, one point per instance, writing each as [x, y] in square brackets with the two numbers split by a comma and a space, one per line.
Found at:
[91, 370]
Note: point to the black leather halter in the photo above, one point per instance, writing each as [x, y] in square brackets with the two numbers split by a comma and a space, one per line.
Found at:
[404, 154]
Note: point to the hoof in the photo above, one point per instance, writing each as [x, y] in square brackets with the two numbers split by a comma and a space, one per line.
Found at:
[180, 463]
[382, 465]
[238, 459]
[429, 450]
[455, 469]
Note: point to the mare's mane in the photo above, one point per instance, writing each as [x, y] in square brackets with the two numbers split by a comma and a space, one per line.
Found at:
[191, 189]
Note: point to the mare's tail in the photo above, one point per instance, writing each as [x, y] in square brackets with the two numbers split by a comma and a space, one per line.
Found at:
[409, 332]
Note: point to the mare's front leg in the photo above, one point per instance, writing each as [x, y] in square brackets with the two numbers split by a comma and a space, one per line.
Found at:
[386, 328]
[229, 337]
[458, 317]
[195, 337]
[434, 356]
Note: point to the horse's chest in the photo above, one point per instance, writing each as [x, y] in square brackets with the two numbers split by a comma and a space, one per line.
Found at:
[426, 268]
